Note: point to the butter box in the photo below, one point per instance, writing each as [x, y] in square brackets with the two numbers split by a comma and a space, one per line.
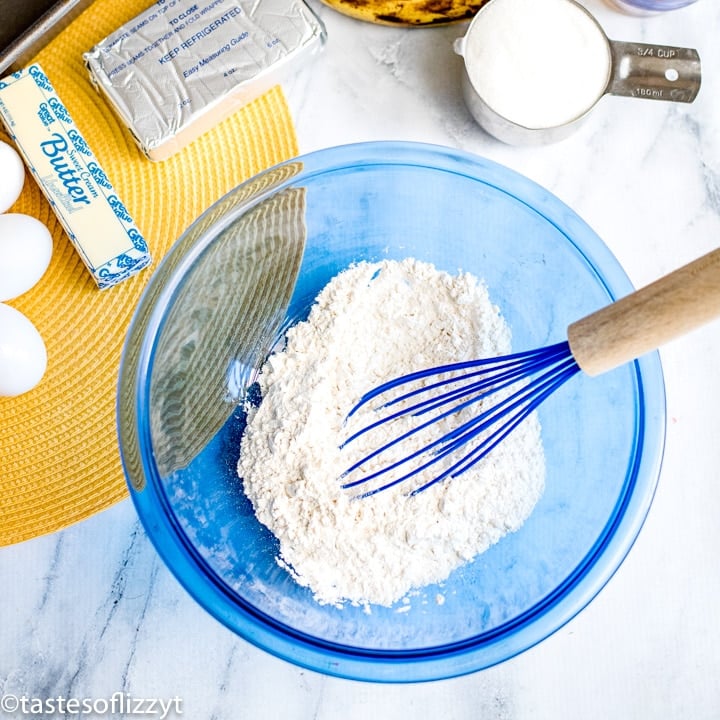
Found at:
[182, 66]
[70, 176]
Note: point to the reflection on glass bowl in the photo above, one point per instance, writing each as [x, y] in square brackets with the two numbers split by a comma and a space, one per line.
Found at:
[248, 269]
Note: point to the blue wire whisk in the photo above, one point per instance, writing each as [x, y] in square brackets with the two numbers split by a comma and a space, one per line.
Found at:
[509, 388]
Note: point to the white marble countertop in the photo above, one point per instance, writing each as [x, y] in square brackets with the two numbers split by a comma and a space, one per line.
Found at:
[92, 611]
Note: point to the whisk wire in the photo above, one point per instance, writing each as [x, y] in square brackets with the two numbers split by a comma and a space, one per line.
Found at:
[495, 383]
[546, 356]
[517, 399]
[489, 443]
[426, 406]
[524, 401]
[490, 387]
[511, 367]
[555, 366]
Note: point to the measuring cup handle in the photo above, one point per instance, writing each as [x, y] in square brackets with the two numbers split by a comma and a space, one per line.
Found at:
[654, 72]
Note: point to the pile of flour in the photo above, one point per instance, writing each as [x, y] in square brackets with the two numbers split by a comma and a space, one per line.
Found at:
[373, 322]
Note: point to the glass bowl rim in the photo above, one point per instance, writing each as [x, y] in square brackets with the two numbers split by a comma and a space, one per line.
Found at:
[253, 625]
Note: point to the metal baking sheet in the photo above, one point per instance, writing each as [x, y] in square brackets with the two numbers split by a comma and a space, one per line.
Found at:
[48, 24]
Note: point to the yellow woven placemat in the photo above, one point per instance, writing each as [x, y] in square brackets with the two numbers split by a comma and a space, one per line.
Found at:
[59, 457]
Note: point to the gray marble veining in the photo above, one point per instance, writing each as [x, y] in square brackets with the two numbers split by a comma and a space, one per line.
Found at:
[92, 611]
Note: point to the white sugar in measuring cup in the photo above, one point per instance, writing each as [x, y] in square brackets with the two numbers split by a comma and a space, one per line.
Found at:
[534, 69]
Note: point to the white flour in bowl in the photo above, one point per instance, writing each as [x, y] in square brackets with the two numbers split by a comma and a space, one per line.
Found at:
[371, 323]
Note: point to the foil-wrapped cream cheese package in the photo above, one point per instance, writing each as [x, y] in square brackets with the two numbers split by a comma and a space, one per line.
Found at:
[182, 66]
[71, 178]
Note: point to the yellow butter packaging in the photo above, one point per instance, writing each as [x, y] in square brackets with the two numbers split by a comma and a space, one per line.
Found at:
[70, 176]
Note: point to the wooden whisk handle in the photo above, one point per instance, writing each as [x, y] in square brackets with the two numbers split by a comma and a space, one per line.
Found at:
[644, 320]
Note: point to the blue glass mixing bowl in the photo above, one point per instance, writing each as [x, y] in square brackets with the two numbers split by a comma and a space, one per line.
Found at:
[250, 267]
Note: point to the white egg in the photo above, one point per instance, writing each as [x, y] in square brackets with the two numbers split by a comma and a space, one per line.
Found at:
[23, 358]
[25, 252]
[12, 176]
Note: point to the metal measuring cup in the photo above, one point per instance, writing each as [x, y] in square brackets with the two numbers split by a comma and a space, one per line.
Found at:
[638, 70]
